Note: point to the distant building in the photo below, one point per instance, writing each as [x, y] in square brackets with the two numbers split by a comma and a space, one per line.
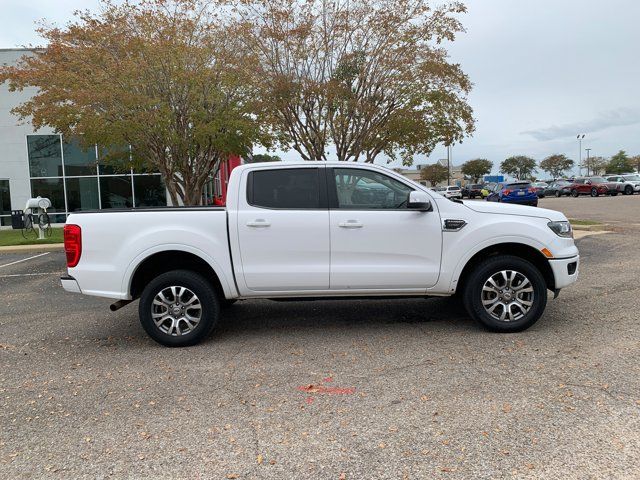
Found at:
[457, 178]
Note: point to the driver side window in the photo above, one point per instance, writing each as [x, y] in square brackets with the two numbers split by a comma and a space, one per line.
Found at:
[366, 190]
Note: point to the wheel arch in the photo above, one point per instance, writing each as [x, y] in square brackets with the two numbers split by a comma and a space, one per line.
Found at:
[521, 250]
[159, 262]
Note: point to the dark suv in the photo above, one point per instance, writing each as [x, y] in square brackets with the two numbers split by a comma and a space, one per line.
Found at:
[472, 191]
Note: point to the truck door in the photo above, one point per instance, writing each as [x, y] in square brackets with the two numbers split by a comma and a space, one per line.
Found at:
[376, 242]
[283, 229]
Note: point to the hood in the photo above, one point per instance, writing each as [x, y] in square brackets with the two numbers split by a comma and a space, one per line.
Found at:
[512, 209]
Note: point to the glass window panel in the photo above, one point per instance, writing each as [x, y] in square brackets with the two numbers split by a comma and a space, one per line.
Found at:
[5, 198]
[78, 161]
[45, 155]
[286, 188]
[150, 191]
[115, 192]
[114, 160]
[52, 189]
[82, 194]
[367, 190]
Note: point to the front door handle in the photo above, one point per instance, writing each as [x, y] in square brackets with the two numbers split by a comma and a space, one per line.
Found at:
[350, 224]
[258, 223]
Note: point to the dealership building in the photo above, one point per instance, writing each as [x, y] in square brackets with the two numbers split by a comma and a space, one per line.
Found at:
[43, 163]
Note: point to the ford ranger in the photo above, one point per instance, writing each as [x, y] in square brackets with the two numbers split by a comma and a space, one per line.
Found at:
[319, 230]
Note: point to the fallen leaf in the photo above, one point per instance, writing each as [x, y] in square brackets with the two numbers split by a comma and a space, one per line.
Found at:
[231, 476]
[343, 476]
[259, 459]
[506, 408]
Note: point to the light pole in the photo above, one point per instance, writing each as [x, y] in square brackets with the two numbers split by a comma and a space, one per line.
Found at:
[588, 150]
[580, 137]
[448, 164]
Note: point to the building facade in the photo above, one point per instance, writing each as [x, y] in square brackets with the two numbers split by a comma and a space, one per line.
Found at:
[45, 164]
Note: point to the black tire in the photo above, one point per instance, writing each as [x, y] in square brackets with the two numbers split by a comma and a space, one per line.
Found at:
[614, 194]
[574, 193]
[558, 193]
[594, 192]
[628, 190]
[473, 293]
[198, 285]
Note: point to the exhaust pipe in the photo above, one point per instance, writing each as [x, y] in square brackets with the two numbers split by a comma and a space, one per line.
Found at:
[119, 304]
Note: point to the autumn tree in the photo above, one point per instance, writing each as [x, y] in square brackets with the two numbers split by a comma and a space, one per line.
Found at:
[477, 168]
[434, 173]
[263, 157]
[620, 163]
[556, 165]
[595, 165]
[519, 166]
[358, 78]
[165, 77]
[635, 161]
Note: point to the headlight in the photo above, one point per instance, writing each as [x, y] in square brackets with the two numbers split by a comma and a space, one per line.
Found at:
[562, 229]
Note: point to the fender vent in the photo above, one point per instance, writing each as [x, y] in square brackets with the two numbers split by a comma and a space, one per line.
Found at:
[451, 225]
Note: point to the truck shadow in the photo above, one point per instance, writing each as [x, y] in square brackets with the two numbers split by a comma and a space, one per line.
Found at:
[250, 316]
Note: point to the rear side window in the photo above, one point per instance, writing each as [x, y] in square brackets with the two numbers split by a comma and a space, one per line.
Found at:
[292, 188]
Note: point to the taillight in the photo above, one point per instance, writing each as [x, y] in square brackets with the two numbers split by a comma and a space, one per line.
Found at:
[506, 192]
[72, 244]
[532, 190]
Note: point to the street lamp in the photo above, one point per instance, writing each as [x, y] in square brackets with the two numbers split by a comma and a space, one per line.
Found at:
[580, 137]
[588, 150]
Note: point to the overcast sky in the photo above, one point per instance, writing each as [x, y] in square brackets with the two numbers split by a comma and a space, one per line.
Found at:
[543, 71]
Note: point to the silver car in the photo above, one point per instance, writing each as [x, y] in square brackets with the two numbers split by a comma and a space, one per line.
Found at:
[626, 183]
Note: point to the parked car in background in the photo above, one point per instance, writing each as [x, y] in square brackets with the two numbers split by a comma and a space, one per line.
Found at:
[626, 184]
[472, 190]
[520, 192]
[540, 188]
[557, 188]
[452, 191]
[593, 186]
[487, 189]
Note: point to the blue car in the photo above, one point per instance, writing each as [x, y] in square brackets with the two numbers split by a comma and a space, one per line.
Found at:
[522, 193]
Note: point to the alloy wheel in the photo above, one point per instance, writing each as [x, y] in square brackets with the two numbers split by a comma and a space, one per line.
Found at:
[176, 310]
[507, 295]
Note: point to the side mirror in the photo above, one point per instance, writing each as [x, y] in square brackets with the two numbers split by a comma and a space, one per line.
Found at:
[419, 201]
[588, 182]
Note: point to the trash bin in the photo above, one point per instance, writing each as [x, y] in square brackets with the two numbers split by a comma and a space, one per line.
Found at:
[17, 219]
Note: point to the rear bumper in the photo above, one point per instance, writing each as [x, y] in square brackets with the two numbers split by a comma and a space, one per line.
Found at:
[565, 271]
[70, 284]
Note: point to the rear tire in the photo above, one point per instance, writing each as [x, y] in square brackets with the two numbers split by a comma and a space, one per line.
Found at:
[628, 190]
[179, 308]
[558, 194]
[594, 192]
[574, 193]
[505, 294]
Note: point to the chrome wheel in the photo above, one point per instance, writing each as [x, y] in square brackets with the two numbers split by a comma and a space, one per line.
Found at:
[176, 311]
[507, 295]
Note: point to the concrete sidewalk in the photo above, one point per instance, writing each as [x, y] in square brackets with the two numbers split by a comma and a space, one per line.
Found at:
[44, 247]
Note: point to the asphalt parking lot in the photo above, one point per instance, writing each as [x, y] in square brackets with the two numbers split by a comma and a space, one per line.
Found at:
[329, 390]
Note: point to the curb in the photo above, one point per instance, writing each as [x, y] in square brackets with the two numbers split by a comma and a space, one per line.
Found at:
[45, 247]
[592, 228]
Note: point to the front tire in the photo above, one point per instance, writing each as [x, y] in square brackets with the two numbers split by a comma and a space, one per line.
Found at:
[594, 192]
[505, 294]
[179, 308]
[558, 193]
[574, 193]
[628, 190]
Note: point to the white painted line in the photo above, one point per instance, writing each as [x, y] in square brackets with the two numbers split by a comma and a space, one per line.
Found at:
[27, 275]
[25, 259]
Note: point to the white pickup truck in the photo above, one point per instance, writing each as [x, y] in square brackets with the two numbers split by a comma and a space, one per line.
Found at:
[320, 230]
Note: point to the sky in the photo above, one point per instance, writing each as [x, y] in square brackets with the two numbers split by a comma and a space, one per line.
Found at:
[544, 71]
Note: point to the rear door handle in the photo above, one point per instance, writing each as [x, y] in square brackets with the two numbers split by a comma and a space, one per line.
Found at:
[350, 224]
[258, 223]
